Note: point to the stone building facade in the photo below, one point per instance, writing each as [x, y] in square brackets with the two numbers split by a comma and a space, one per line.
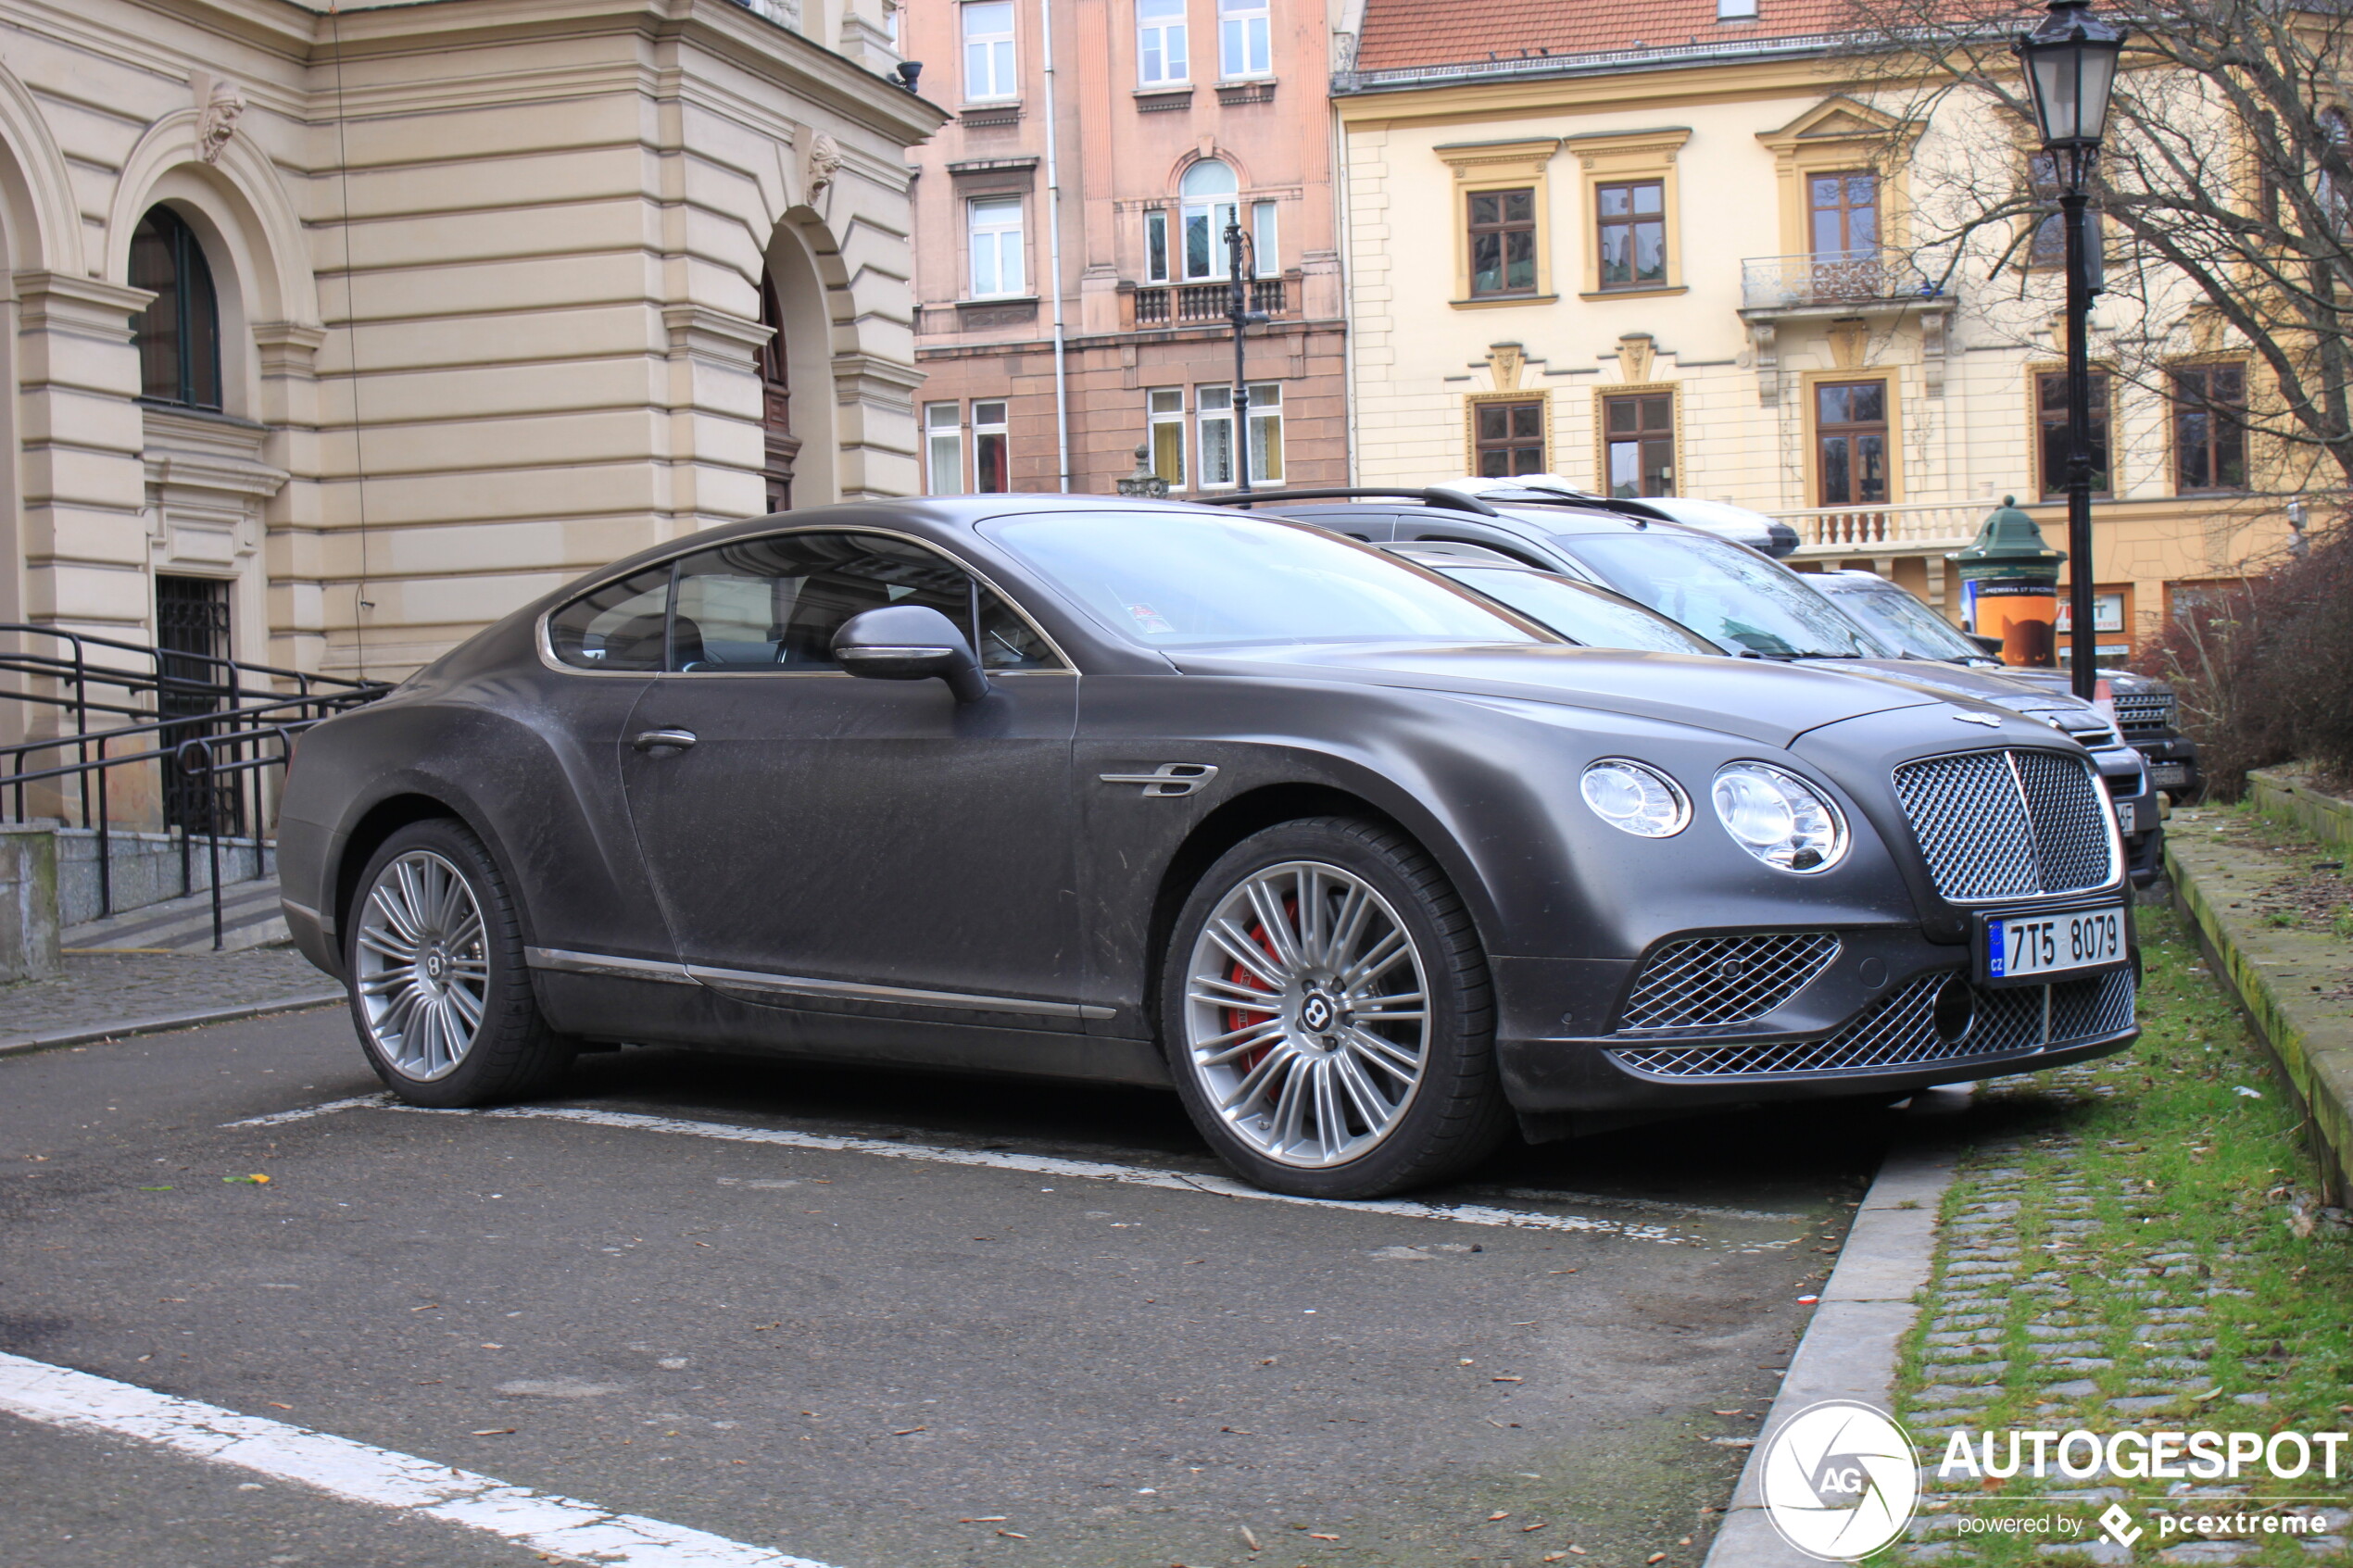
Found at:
[1168, 116]
[336, 334]
[1684, 268]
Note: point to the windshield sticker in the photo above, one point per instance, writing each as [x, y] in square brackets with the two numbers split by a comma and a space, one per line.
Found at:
[1151, 620]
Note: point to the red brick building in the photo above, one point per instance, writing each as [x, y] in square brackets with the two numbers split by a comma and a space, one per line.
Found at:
[1168, 118]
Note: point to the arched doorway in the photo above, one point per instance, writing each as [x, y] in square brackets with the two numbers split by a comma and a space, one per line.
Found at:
[780, 446]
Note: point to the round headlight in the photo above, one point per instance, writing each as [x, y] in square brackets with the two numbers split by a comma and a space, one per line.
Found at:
[1779, 817]
[1635, 797]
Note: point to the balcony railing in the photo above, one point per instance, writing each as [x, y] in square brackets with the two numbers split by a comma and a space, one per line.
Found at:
[1199, 304]
[1831, 278]
[1911, 525]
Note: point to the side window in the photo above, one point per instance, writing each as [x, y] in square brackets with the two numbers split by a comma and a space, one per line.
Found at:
[775, 603]
[1006, 640]
[618, 626]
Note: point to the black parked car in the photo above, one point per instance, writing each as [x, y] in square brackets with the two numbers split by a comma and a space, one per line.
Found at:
[2145, 707]
[1743, 602]
[1146, 793]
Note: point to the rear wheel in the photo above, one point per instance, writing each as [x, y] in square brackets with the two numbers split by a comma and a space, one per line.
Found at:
[439, 991]
[1328, 1017]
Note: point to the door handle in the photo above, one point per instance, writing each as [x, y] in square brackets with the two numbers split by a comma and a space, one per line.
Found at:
[663, 740]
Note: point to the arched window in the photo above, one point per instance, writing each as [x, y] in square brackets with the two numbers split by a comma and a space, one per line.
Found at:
[1208, 190]
[179, 335]
[776, 403]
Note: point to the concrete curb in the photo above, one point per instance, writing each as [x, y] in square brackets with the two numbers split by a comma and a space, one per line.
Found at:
[2271, 974]
[16, 1045]
[2325, 817]
[1851, 1347]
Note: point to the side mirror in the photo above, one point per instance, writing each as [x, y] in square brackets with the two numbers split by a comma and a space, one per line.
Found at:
[910, 643]
[1990, 645]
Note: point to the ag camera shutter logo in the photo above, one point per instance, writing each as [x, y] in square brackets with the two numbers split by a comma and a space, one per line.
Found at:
[1841, 1480]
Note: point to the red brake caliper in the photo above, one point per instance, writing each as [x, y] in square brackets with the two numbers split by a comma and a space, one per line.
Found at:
[1240, 975]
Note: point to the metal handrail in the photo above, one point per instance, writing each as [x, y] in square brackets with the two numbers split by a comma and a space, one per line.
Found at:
[233, 727]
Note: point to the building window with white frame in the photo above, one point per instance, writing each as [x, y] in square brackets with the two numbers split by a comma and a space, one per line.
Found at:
[1165, 412]
[943, 449]
[1160, 42]
[1214, 404]
[988, 50]
[1208, 190]
[1156, 245]
[1243, 46]
[992, 451]
[995, 228]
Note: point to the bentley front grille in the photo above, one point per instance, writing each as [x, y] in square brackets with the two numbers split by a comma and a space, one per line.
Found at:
[2008, 824]
[1901, 1030]
[1710, 981]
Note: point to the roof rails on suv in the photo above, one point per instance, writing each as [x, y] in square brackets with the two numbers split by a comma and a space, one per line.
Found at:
[1451, 500]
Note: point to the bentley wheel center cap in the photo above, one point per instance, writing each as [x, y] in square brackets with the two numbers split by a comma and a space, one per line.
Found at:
[434, 964]
[1316, 1014]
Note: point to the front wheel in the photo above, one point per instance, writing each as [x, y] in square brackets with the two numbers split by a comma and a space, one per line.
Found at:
[438, 987]
[1328, 1016]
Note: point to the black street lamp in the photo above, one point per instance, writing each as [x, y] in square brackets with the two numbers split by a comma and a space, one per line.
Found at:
[2070, 67]
[1240, 266]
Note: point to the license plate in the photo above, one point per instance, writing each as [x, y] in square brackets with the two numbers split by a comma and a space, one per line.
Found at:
[2127, 818]
[2170, 775]
[2022, 948]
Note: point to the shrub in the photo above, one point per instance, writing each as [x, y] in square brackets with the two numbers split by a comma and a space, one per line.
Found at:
[2264, 670]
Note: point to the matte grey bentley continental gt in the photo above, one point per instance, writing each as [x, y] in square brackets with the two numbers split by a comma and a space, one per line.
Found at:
[1139, 791]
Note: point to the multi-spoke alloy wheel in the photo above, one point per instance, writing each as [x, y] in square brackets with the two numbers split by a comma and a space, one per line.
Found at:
[423, 972]
[434, 952]
[1307, 1013]
[1327, 1013]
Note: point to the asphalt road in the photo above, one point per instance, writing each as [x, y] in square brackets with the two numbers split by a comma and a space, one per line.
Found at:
[876, 1361]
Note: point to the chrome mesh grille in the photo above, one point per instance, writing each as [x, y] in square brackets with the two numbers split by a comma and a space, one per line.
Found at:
[1713, 980]
[2145, 713]
[2008, 825]
[1901, 1031]
[2070, 813]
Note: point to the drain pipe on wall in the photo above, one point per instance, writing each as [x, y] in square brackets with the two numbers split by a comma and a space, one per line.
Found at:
[1054, 251]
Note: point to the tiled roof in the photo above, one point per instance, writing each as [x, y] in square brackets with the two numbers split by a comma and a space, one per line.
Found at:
[1404, 33]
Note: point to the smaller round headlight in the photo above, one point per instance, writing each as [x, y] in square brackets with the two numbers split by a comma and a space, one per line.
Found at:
[1779, 817]
[1635, 797]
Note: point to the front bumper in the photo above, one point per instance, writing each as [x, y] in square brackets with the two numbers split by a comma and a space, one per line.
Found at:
[1867, 1024]
[2172, 764]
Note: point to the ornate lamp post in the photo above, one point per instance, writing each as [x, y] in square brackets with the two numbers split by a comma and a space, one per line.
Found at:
[2070, 66]
[1240, 266]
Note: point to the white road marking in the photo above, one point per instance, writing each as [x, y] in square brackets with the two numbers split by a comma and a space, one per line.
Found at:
[1053, 1165]
[1092, 1170]
[561, 1527]
[304, 1113]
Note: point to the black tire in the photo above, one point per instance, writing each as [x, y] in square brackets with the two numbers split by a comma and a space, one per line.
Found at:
[1452, 1118]
[511, 1054]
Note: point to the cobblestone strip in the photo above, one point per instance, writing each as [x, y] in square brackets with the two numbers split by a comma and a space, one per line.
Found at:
[101, 993]
[2027, 1329]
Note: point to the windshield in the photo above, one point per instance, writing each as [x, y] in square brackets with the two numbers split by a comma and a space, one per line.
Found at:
[1173, 580]
[1733, 597]
[1579, 611]
[1915, 630]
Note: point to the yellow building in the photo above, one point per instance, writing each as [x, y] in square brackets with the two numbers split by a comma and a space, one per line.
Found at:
[1656, 250]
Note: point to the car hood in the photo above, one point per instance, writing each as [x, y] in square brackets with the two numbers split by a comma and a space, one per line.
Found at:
[1772, 704]
[2060, 680]
[1955, 679]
